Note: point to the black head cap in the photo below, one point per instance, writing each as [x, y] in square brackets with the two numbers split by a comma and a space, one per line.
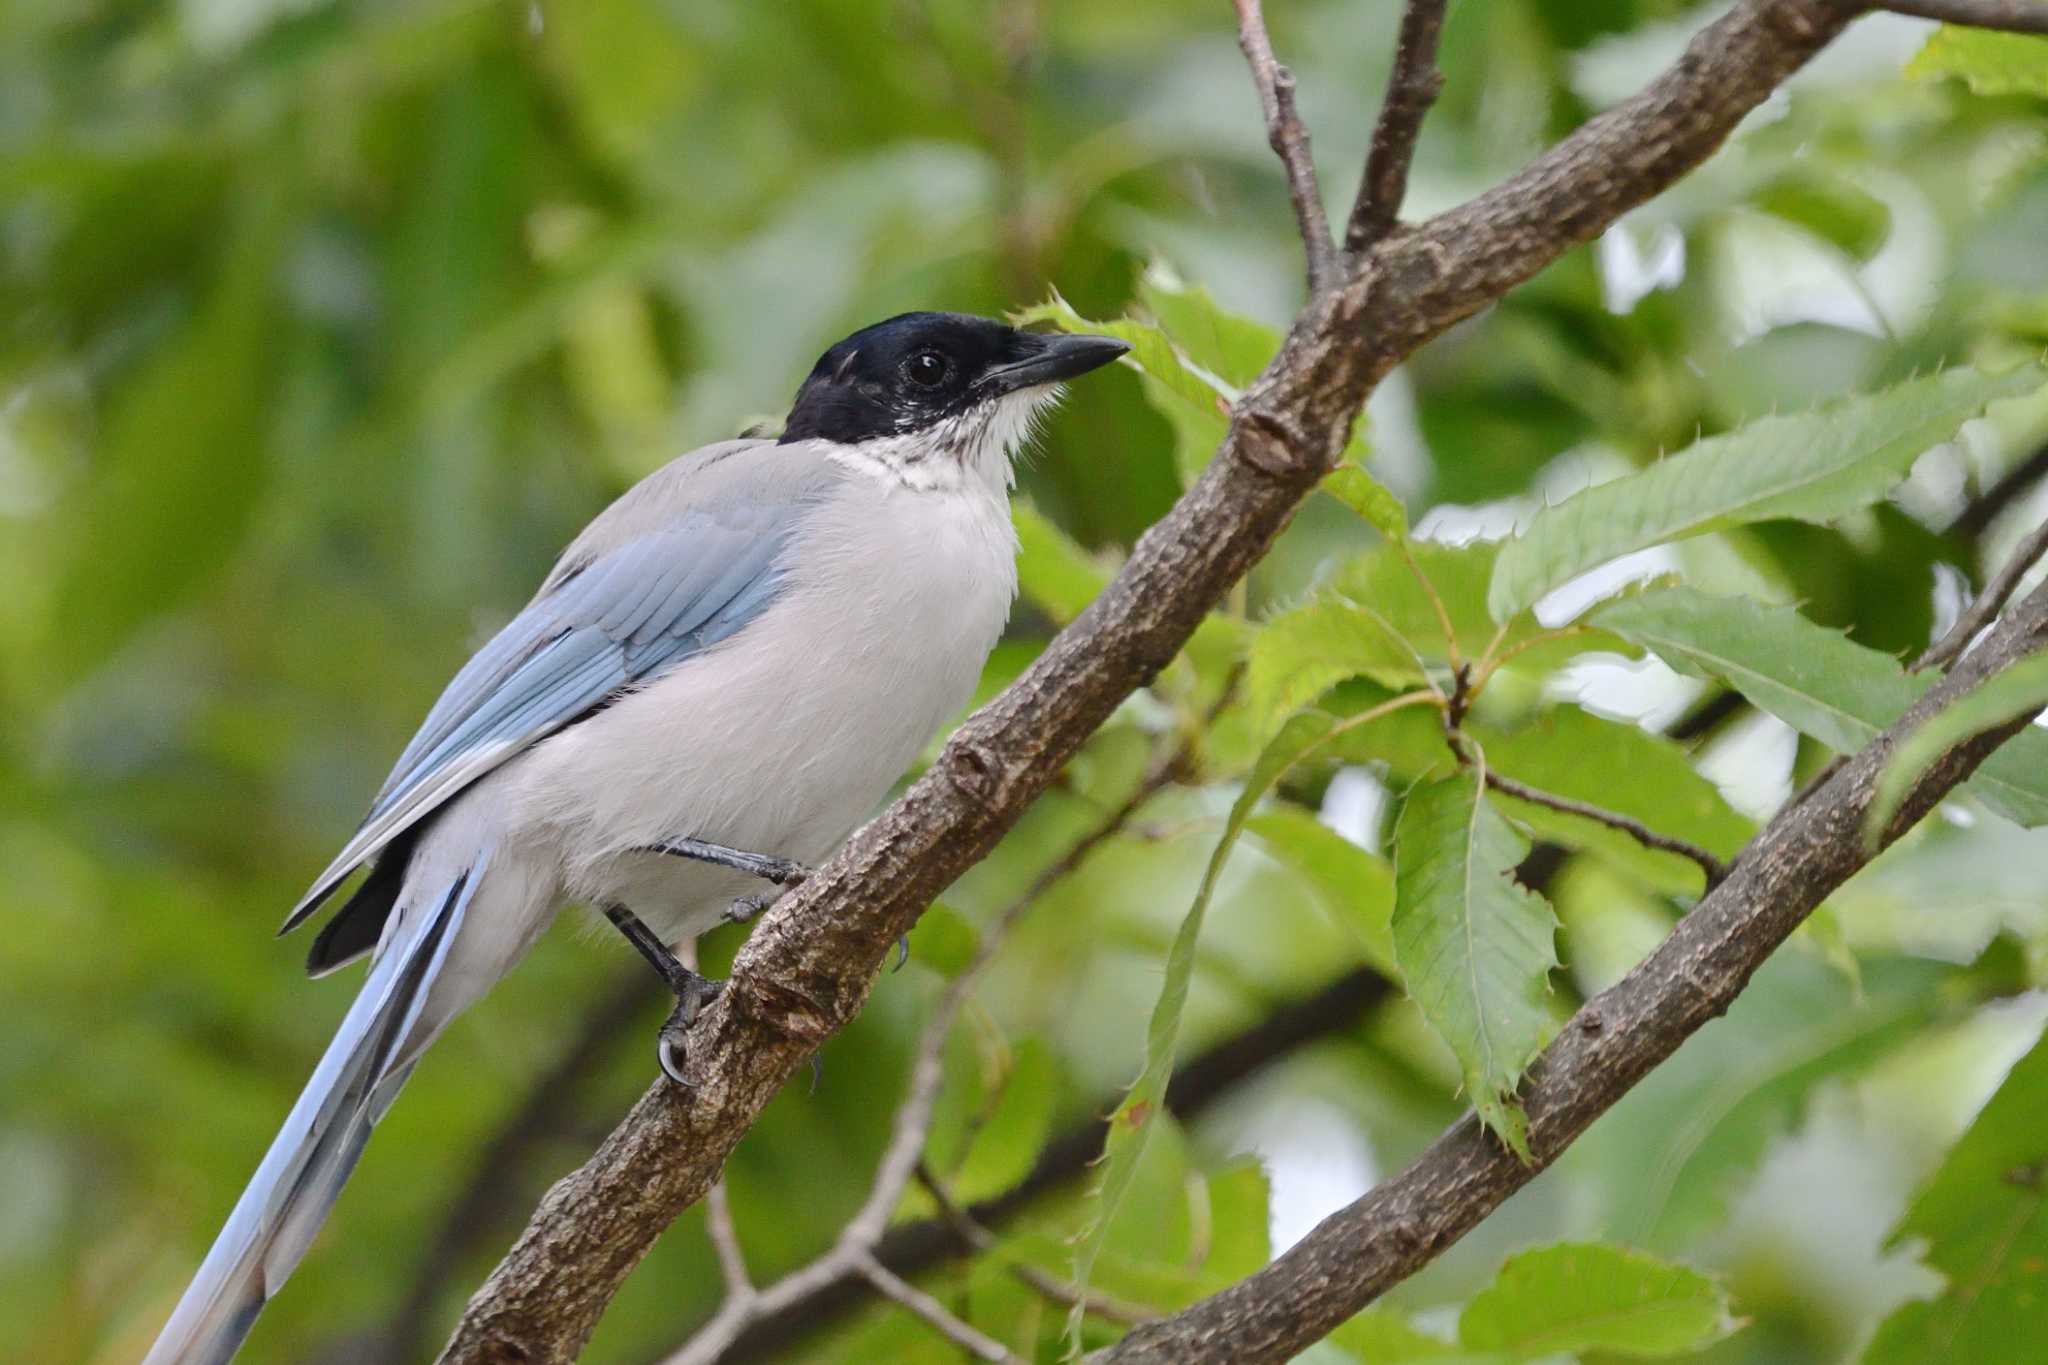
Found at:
[918, 369]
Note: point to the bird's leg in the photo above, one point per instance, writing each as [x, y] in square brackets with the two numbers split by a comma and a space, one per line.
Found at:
[693, 992]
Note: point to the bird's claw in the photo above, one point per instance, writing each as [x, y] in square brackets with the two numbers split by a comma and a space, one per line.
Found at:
[669, 1047]
[902, 953]
[745, 908]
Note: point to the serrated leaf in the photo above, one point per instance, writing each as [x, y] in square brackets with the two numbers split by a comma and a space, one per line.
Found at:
[1356, 886]
[2021, 690]
[1152, 352]
[1984, 1217]
[1369, 498]
[1592, 1296]
[1195, 402]
[1572, 752]
[1476, 949]
[1991, 63]
[1812, 466]
[1132, 1123]
[1054, 573]
[1302, 653]
[1231, 347]
[1814, 679]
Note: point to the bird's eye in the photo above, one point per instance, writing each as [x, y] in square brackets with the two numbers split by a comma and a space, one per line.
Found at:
[926, 369]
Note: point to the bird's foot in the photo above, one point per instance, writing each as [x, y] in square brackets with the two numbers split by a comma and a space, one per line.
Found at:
[747, 907]
[669, 1046]
[693, 992]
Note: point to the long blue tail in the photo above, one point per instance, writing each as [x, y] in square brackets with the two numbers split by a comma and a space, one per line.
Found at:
[302, 1174]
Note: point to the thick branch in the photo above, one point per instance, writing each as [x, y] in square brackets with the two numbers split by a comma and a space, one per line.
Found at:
[1360, 1252]
[2015, 16]
[1289, 139]
[809, 965]
[1412, 88]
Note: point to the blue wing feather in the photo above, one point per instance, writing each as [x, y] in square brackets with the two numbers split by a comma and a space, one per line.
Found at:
[618, 621]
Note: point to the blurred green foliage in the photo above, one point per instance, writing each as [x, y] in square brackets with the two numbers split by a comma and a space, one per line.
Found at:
[323, 326]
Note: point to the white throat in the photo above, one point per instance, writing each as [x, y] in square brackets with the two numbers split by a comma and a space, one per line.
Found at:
[974, 451]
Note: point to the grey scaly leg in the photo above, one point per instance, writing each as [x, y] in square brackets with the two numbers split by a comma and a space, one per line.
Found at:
[693, 992]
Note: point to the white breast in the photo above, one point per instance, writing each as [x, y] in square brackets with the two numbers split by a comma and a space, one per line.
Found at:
[783, 738]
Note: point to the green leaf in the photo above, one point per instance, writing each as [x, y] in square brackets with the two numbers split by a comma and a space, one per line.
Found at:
[1300, 654]
[1134, 1119]
[1985, 1222]
[1008, 1139]
[1812, 466]
[1991, 63]
[1152, 352]
[1233, 348]
[1814, 679]
[1595, 1297]
[1054, 573]
[1369, 498]
[1356, 887]
[1622, 767]
[2021, 690]
[944, 940]
[1185, 372]
[1475, 948]
[1240, 1222]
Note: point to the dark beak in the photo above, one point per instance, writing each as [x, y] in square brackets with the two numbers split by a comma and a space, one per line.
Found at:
[1052, 356]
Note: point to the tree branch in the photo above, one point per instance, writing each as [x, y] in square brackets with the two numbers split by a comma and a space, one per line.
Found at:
[1615, 1040]
[1289, 139]
[810, 963]
[1986, 604]
[854, 1253]
[1412, 87]
[2015, 16]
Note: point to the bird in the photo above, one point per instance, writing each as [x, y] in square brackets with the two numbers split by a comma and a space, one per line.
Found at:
[720, 677]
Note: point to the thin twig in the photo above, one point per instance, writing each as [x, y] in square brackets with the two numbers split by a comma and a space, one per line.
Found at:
[725, 1240]
[1715, 869]
[2014, 16]
[1990, 504]
[1412, 87]
[1986, 604]
[1289, 139]
[931, 1310]
[1063, 1292]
